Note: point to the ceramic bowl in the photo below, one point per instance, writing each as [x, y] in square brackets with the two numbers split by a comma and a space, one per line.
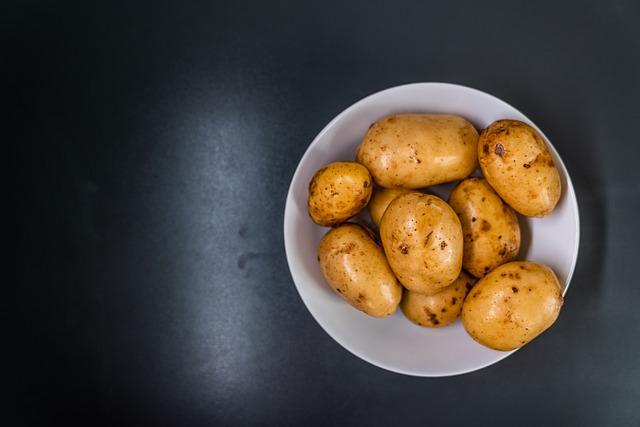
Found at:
[394, 343]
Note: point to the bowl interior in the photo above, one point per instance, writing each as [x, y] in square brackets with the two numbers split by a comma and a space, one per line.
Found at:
[394, 343]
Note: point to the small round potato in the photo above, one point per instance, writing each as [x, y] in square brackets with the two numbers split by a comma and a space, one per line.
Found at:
[518, 165]
[490, 227]
[356, 268]
[381, 199]
[512, 305]
[440, 309]
[419, 150]
[422, 238]
[337, 192]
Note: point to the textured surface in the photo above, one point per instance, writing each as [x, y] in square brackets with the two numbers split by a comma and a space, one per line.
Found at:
[150, 150]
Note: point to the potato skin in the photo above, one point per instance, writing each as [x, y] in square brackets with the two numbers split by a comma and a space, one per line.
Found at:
[337, 192]
[422, 238]
[354, 265]
[419, 150]
[490, 227]
[517, 163]
[440, 309]
[381, 199]
[512, 305]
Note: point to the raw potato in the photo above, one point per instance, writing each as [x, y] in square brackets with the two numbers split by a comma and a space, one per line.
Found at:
[518, 165]
[490, 227]
[337, 192]
[419, 150]
[512, 305]
[356, 268]
[422, 238]
[437, 310]
[381, 199]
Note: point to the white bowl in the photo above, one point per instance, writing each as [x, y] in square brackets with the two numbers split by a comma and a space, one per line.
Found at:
[394, 343]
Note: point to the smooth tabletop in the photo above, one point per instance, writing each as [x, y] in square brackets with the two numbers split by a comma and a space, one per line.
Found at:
[151, 145]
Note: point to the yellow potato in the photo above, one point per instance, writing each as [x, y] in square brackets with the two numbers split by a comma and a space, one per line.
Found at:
[440, 309]
[356, 268]
[337, 192]
[419, 150]
[518, 165]
[422, 238]
[380, 201]
[512, 305]
[490, 227]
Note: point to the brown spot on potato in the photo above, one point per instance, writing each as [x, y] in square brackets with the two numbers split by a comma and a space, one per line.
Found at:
[476, 294]
[499, 150]
[522, 267]
[514, 289]
[404, 248]
[339, 290]
[444, 310]
[454, 300]
[473, 219]
[483, 199]
[318, 258]
[345, 249]
[366, 184]
[486, 226]
[426, 239]
[432, 316]
[485, 148]
[526, 166]
[503, 251]
[443, 245]
[517, 276]
[486, 269]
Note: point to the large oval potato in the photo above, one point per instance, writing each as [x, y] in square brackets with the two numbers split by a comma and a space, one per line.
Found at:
[490, 227]
[356, 268]
[381, 199]
[439, 309]
[419, 150]
[512, 305]
[518, 165]
[337, 192]
[422, 238]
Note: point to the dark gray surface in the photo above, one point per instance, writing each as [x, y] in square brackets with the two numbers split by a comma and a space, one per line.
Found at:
[151, 148]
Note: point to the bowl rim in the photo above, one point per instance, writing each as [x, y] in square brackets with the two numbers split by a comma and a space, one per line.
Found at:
[290, 201]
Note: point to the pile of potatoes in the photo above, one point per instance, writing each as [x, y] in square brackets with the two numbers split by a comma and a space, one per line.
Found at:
[440, 260]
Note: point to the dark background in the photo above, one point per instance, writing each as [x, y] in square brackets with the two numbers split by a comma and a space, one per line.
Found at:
[150, 150]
